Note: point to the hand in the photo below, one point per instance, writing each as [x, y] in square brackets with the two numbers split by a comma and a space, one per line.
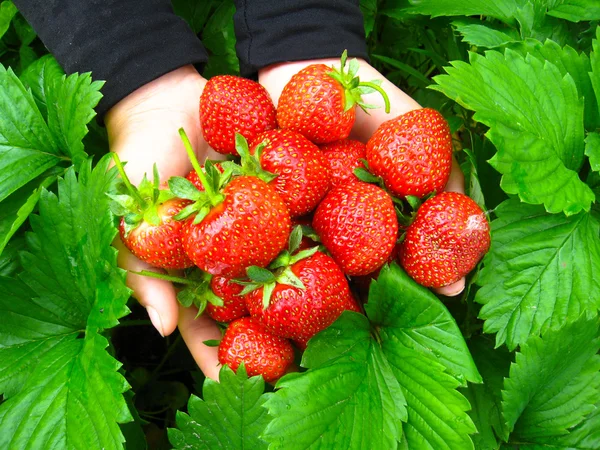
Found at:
[275, 77]
[143, 130]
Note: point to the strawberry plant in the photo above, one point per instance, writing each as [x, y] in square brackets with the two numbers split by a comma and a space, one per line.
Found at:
[511, 363]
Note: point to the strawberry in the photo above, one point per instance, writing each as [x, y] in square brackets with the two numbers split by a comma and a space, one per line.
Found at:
[230, 104]
[343, 157]
[446, 240]
[247, 341]
[412, 153]
[302, 172]
[320, 101]
[147, 226]
[250, 226]
[357, 223]
[234, 305]
[317, 294]
[234, 223]
[193, 178]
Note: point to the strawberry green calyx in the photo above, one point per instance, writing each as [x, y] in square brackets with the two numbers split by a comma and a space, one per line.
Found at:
[211, 179]
[249, 162]
[196, 288]
[354, 89]
[137, 204]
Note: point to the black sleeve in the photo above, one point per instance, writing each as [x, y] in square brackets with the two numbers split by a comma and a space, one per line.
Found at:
[273, 31]
[128, 43]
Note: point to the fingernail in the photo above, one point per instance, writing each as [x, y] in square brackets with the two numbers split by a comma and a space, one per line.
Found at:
[155, 319]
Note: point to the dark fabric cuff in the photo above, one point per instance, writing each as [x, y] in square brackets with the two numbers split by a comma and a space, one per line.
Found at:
[128, 43]
[270, 32]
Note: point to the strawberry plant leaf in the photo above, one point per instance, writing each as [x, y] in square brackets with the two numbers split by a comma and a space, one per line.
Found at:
[537, 128]
[7, 12]
[367, 377]
[230, 415]
[539, 272]
[592, 150]
[568, 61]
[595, 66]
[586, 435]
[72, 101]
[486, 398]
[27, 148]
[554, 382]
[418, 320]
[504, 10]
[575, 10]
[61, 388]
[348, 399]
[489, 36]
[37, 78]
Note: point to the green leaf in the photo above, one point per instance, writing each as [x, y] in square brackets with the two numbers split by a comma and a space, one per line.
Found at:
[403, 67]
[484, 35]
[349, 398]
[568, 61]
[592, 150]
[7, 12]
[39, 76]
[193, 12]
[537, 127]
[73, 100]
[367, 377]
[27, 148]
[219, 38]
[554, 382]
[503, 9]
[595, 66]
[231, 415]
[62, 390]
[540, 271]
[586, 435]
[419, 321]
[369, 12]
[9, 259]
[17, 207]
[575, 10]
[486, 398]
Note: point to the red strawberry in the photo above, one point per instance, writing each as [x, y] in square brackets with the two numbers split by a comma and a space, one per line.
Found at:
[249, 227]
[343, 157]
[448, 237]
[147, 226]
[298, 313]
[231, 104]
[302, 172]
[234, 305]
[320, 101]
[247, 341]
[159, 245]
[412, 153]
[357, 223]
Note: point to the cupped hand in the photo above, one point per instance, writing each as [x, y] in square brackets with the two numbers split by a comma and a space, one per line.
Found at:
[143, 130]
[275, 77]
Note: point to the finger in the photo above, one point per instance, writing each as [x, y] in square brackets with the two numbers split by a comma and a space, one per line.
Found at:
[456, 182]
[452, 289]
[194, 332]
[157, 296]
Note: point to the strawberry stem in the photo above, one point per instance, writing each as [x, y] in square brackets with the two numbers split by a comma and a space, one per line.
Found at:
[215, 198]
[130, 187]
[379, 89]
[162, 276]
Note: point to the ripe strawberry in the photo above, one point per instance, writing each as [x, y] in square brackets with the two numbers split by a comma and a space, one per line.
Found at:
[234, 223]
[357, 223]
[343, 157]
[412, 153]
[247, 341]
[302, 172]
[320, 101]
[298, 313]
[147, 226]
[448, 237]
[159, 245]
[234, 305]
[230, 104]
[249, 228]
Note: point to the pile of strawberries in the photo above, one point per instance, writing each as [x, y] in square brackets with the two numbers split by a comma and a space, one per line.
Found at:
[291, 169]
